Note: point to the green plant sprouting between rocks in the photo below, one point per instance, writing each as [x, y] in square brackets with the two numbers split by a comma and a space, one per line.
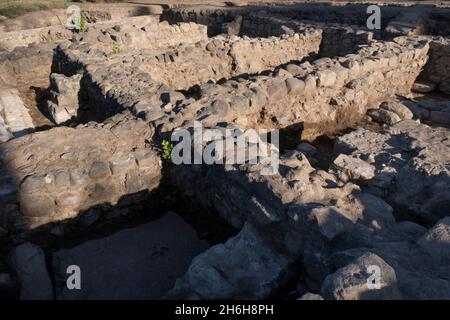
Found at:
[115, 49]
[167, 147]
[80, 23]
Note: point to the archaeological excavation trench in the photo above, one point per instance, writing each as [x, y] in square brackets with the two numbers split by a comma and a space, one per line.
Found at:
[364, 157]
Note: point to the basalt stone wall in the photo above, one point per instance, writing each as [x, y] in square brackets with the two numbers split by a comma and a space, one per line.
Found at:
[110, 41]
[55, 174]
[395, 20]
[132, 33]
[348, 14]
[26, 66]
[214, 17]
[438, 23]
[94, 16]
[252, 56]
[264, 25]
[93, 54]
[337, 39]
[327, 96]
[135, 34]
[340, 41]
[23, 38]
[111, 88]
[437, 69]
[225, 58]
[255, 25]
[148, 79]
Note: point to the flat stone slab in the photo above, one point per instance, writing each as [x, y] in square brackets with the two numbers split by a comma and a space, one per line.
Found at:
[14, 112]
[28, 262]
[423, 87]
[136, 263]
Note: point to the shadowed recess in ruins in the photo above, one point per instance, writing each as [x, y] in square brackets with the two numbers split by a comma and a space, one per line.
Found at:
[364, 169]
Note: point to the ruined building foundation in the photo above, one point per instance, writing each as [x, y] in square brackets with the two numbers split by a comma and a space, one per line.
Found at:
[364, 172]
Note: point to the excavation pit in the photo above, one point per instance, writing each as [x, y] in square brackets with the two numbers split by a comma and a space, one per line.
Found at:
[363, 172]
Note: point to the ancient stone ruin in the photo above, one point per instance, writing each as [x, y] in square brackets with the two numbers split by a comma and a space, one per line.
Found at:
[363, 181]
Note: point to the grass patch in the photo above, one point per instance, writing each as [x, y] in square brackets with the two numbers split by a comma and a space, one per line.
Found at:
[115, 49]
[102, 1]
[81, 24]
[15, 9]
[167, 147]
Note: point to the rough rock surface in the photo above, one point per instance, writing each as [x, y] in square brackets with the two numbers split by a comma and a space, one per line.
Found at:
[64, 102]
[309, 213]
[335, 91]
[384, 116]
[14, 117]
[437, 240]
[208, 276]
[58, 173]
[437, 70]
[423, 87]
[353, 168]
[411, 162]
[350, 282]
[398, 108]
[359, 199]
[28, 261]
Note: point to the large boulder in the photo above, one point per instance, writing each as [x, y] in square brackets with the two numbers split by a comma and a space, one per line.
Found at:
[411, 165]
[64, 102]
[218, 273]
[398, 108]
[353, 168]
[437, 241]
[354, 281]
[28, 262]
[14, 114]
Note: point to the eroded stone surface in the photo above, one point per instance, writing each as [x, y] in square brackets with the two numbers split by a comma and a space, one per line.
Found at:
[64, 102]
[15, 119]
[411, 161]
[309, 213]
[28, 261]
[322, 221]
[336, 86]
[60, 172]
[350, 282]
